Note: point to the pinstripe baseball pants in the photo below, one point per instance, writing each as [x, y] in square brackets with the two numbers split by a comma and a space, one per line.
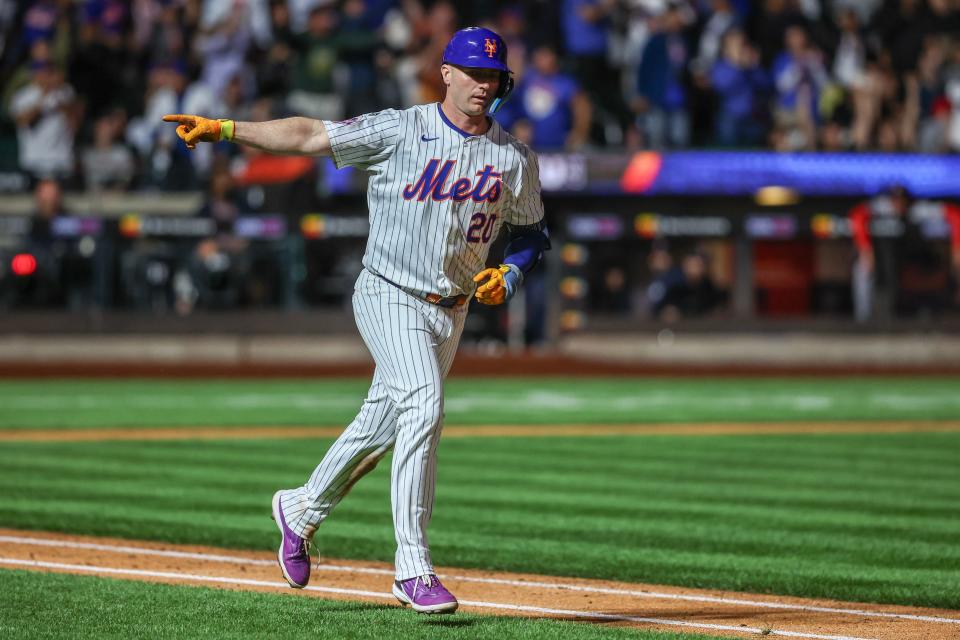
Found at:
[413, 344]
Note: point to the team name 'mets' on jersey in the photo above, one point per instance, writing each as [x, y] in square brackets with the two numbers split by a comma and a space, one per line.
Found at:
[437, 195]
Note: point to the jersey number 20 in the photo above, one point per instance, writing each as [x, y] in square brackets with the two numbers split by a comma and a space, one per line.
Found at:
[481, 227]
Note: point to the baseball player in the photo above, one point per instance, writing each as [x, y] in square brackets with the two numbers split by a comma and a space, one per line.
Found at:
[444, 177]
[880, 260]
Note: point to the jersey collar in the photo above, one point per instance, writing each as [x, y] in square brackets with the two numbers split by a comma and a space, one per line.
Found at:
[446, 121]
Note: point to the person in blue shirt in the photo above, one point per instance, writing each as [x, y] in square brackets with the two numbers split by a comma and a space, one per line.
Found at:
[799, 75]
[585, 27]
[586, 24]
[661, 102]
[550, 104]
[741, 84]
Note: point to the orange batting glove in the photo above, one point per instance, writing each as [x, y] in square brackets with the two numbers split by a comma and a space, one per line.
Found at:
[194, 129]
[500, 284]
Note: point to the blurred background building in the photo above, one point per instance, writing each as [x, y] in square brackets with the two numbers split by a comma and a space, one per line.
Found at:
[717, 164]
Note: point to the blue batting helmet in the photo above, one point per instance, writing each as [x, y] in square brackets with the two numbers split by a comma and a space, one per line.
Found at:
[481, 48]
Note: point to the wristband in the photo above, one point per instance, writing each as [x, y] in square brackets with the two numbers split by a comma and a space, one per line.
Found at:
[512, 279]
[226, 129]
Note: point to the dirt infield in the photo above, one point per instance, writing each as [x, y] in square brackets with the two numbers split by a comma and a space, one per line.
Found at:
[635, 605]
[488, 431]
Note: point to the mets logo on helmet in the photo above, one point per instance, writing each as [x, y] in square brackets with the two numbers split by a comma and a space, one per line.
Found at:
[490, 47]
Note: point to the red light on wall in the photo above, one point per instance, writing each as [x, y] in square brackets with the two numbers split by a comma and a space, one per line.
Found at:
[23, 264]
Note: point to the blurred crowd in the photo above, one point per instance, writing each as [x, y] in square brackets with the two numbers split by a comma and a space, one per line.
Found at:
[84, 82]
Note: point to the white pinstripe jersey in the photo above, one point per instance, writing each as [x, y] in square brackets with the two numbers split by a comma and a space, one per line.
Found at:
[437, 195]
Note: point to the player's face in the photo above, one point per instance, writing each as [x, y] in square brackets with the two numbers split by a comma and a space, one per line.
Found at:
[472, 89]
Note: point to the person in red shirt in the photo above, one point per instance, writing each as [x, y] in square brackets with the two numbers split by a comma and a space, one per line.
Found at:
[888, 234]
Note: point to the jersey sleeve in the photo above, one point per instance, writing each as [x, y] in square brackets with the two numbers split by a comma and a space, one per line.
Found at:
[527, 210]
[364, 141]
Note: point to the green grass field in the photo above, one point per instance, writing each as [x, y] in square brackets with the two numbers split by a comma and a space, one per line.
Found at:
[864, 517]
[139, 403]
[97, 608]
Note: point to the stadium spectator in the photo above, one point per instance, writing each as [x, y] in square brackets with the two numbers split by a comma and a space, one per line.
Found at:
[359, 42]
[769, 26]
[799, 76]
[315, 88]
[250, 17]
[613, 293]
[432, 31]
[46, 119]
[661, 102]
[107, 163]
[274, 69]
[45, 286]
[42, 21]
[684, 291]
[98, 68]
[665, 278]
[741, 85]
[48, 204]
[167, 164]
[953, 98]
[586, 27]
[22, 74]
[850, 55]
[513, 29]
[224, 48]
[933, 106]
[697, 294]
[551, 104]
[163, 30]
[900, 25]
[220, 263]
[722, 18]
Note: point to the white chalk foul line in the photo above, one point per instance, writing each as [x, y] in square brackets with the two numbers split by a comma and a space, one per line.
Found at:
[166, 553]
[173, 575]
[513, 583]
[584, 615]
[711, 599]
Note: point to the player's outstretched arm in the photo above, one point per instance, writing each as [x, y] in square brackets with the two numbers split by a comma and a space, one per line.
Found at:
[288, 136]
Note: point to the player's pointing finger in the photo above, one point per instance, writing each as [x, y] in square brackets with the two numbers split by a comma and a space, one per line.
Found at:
[177, 117]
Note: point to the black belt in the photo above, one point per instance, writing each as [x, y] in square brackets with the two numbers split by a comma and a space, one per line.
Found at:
[448, 302]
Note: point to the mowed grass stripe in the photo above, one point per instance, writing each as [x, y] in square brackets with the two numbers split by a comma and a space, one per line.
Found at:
[905, 534]
[697, 497]
[905, 539]
[749, 536]
[806, 448]
[595, 496]
[166, 403]
[799, 489]
[733, 469]
[742, 456]
[669, 510]
[91, 607]
[208, 475]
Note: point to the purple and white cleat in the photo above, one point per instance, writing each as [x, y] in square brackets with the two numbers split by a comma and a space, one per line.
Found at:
[425, 594]
[294, 552]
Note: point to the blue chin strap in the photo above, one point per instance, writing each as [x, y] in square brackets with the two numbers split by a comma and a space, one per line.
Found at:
[506, 85]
